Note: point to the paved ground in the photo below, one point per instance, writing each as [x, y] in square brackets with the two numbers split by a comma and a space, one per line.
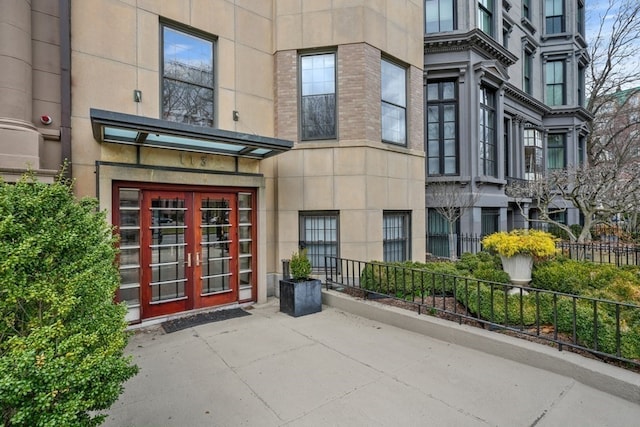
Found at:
[337, 369]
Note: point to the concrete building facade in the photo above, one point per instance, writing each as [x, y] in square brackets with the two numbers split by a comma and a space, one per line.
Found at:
[222, 135]
[504, 102]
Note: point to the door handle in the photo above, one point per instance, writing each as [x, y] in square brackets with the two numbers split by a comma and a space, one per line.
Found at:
[197, 259]
[189, 259]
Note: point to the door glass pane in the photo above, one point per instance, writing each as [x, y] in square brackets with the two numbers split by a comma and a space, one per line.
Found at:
[215, 243]
[168, 246]
[129, 259]
[245, 263]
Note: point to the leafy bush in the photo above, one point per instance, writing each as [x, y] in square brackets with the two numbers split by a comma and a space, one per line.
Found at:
[526, 242]
[300, 265]
[483, 266]
[432, 278]
[564, 275]
[584, 278]
[409, 278]
[61, 334]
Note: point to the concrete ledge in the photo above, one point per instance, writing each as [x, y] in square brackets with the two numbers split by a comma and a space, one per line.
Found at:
[607, 378]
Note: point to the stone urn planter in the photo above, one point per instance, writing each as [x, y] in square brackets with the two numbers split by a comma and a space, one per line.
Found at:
[517, 248]
[518, 267]
[300, 294]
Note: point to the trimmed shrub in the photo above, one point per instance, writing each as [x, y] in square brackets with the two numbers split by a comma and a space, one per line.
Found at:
[61, 334]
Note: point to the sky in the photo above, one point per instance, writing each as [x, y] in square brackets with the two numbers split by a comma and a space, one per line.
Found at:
[595, 11]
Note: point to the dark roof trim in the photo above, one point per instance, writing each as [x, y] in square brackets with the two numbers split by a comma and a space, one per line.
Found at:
[120, 128]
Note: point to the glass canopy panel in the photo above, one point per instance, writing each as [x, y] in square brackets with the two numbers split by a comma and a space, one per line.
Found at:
[119, 134]
[192, 142]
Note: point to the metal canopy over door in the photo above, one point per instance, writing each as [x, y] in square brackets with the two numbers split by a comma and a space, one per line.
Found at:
[189, 251]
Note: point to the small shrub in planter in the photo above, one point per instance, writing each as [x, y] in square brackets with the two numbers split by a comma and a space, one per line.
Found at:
[300, 295]
[300, 266]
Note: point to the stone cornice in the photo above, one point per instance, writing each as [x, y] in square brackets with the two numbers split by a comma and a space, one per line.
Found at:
[514, 93]
[578, 112]
[474, 39]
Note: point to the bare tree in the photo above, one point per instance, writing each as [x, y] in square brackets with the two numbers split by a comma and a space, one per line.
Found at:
[451, 200]
[615, 65]
[607, 184]
[187, 95]
[599, 192]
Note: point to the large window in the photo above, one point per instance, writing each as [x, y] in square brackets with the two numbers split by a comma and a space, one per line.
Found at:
[532, 154]
[526, 9]
[554, 16]
[438, 234]
[487, 132]
[556, 151]
[187, 78]
[580, 18]
[554, 77]
[318, 96]
[490, 221]
[394, 103]
[528, 72]
[581, 86]
[485, 16]
[439, 15]
[396, 232]
[319, 235]
[442, 128]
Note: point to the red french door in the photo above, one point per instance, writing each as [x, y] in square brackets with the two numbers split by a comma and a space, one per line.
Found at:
[188, 251]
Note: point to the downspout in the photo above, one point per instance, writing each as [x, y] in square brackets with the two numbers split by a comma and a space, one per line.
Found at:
[65, 85]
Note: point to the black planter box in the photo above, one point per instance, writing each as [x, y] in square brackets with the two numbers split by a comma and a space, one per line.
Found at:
[300, 298]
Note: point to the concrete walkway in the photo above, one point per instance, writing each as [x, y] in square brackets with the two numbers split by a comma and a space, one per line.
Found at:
[336, 368]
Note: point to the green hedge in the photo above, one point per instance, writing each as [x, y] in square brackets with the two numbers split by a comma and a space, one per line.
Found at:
[467, 280]
[62, 337]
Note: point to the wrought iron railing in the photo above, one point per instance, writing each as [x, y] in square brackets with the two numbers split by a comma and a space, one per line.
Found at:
[604, 328]
[602, 252]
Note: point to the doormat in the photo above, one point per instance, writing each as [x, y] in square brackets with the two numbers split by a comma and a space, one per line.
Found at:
[202, 318]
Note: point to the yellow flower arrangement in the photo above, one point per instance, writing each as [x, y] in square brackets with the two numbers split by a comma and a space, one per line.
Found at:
[525, 242]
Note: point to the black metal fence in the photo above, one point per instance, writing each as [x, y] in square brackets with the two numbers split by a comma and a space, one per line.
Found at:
[604, 328]
[603, 251]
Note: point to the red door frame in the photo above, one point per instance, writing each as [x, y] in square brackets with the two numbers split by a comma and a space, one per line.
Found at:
[144, 188]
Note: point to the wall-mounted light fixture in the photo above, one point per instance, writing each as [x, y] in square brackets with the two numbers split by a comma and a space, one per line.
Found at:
[137, 95]
[236, 115]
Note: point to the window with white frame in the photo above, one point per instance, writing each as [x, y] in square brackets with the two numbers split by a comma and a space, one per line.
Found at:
[187, 77]
[396, 232]
[533, 155]
[439, 15]
[394, 102]
[487, 132]
[319, 234]
[318, 96]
